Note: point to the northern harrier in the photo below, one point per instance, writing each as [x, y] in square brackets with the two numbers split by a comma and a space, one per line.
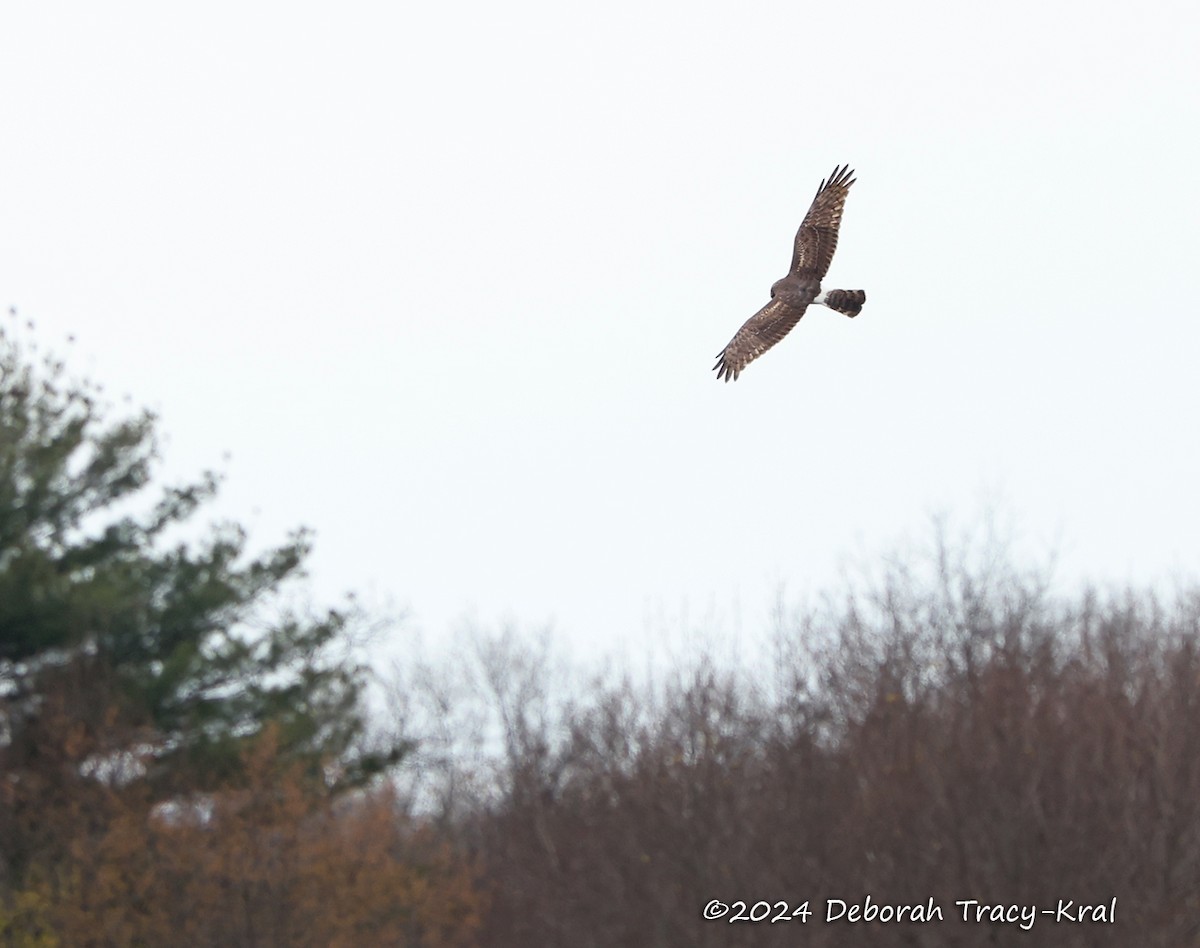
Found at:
[790, 297]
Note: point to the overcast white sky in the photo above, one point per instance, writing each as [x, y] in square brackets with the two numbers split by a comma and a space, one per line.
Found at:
[448, 280]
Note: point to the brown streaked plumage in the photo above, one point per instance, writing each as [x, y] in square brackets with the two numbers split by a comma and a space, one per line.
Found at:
[816, 240]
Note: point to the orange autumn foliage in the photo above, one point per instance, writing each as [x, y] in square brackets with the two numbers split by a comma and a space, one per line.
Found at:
[273, 862]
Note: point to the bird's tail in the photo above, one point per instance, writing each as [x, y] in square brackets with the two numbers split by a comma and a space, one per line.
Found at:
[847, 302]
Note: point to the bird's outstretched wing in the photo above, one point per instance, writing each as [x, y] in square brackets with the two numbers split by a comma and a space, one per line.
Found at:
[816, 240]
[757, 335]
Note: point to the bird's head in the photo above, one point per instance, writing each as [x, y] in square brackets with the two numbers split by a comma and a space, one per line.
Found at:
[791, 291]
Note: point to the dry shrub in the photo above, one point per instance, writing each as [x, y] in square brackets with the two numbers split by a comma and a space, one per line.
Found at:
[957, 735]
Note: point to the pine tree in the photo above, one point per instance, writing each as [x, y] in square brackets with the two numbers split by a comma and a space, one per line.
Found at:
[128, 659]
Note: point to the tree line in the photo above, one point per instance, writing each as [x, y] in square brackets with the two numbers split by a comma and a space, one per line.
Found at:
[186, 756]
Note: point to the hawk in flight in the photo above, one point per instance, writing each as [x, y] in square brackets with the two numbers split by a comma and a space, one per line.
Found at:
[815, 242]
